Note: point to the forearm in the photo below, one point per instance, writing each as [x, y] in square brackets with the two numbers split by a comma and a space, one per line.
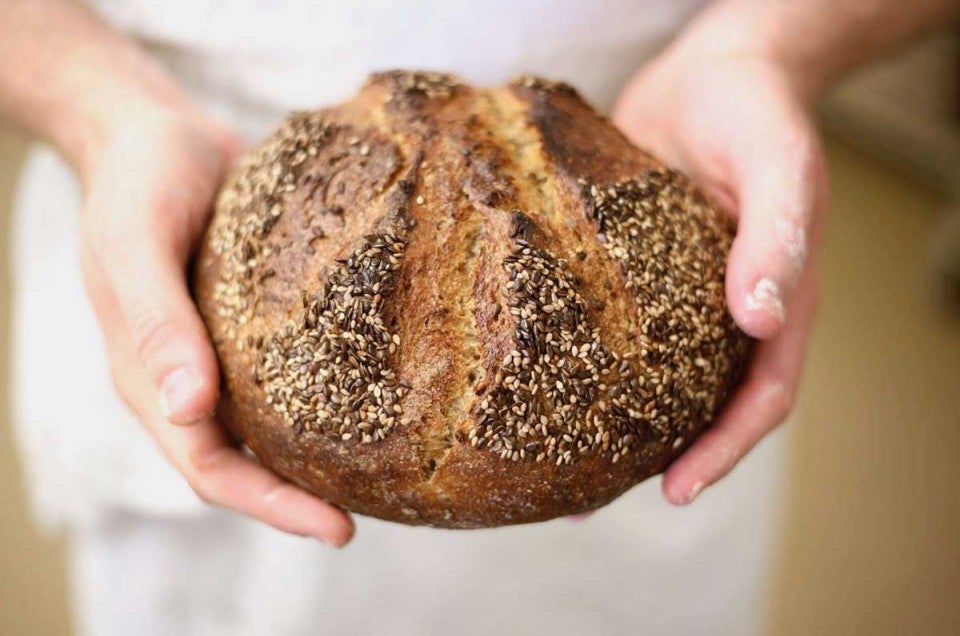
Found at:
[67, 77]
[817, 41]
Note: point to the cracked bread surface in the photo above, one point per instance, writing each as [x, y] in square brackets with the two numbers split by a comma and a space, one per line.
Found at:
[462, 307]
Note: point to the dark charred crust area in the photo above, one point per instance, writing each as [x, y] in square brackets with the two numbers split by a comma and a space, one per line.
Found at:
[486, 185]
[521, 227]
[398, 216]
[577, 139]
[410, 89]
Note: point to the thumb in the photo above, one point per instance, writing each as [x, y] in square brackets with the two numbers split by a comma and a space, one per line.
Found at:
[142, 242]
[168, 334]
[780, 188]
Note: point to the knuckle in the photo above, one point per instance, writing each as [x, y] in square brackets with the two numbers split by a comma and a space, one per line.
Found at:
[277, 493]
[202, 468]
[202, 490]
[786, 137]
[152, 332]
[805, 154]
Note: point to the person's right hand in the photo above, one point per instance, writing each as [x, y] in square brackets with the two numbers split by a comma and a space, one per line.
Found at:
[149, 185]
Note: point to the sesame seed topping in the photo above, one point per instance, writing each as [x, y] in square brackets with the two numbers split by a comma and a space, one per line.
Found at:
[329, 369]
[543, 399]
[671, 248]
[429, 84]
[544, 85]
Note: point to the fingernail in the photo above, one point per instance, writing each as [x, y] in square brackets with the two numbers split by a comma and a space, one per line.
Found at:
[694, 491]
[338, 538]
[581, 516]
[332, 542]
[178, 390]
[766, 296]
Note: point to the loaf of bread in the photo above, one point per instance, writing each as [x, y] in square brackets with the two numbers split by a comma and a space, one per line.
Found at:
[462, 307]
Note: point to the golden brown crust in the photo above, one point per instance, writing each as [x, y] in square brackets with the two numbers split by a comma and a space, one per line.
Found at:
[443, 305]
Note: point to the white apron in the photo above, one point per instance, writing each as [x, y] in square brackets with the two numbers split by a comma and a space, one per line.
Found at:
[636, 566]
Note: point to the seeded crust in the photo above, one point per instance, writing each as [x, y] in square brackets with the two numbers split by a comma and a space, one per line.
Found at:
[462, 307]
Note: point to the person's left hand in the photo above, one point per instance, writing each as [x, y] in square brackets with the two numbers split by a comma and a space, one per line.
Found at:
[736, 122]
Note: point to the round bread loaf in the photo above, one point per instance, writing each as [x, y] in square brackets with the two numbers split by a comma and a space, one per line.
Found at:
[464, 307]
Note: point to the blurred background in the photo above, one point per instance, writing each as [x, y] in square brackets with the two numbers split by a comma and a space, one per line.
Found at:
[871, 538]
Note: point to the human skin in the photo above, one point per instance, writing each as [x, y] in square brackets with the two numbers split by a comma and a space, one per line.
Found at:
[728, 101]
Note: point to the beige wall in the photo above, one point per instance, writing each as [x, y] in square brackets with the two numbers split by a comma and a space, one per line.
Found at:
[872, 539]
[32, 582]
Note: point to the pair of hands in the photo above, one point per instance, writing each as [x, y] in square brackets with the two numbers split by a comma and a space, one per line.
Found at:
[737, 124]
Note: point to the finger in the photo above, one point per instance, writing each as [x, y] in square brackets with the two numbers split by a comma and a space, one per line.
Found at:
[220, 474]
[110, 322]
[758, 406]
[142, 241]
[780, 182]
[217, 472]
